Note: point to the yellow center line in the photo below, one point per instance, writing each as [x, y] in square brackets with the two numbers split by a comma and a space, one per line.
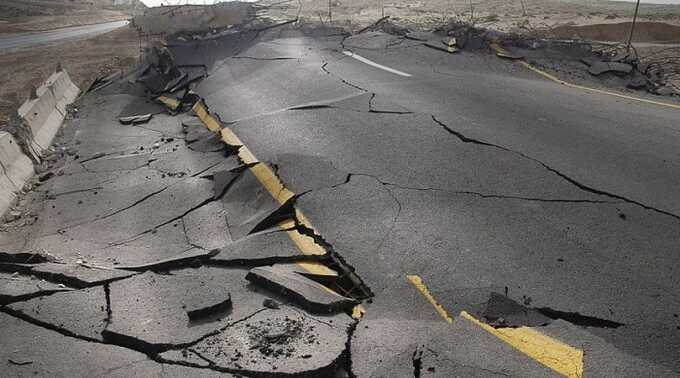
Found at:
[558, 356]
[420, 285]
[554, 354]
[280, 193]
[502, 51]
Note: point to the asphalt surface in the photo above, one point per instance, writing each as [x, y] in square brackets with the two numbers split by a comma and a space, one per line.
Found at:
[17, 41]
[505, 225]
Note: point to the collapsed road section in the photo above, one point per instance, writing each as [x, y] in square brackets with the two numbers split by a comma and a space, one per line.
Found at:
[249, 202]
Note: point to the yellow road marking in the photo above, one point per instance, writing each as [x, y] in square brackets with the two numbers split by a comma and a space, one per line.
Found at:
[501, 50]
[209, 121]
[358, 312]
[558, 356]
[275, 187]
[420, 285]
[171, 103]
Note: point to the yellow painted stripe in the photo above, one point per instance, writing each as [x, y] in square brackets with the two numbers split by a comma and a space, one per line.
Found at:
[420, 285]
[171, 103]
[556, 355]
[358, 312]
[208, 120]
[548, 76]
[275, 187]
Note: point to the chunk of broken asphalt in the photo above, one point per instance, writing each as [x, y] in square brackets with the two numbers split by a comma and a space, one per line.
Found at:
[135, 120]
[79, 312]
[185, 259]
[206, 303]
[16, 287]
[149, 310]
[310, 295]
[222, 180]
[282, 342]
[260, 249]
[598, 68]
[248, 204]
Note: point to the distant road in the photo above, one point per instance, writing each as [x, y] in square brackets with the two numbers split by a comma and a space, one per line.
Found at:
[24, 40]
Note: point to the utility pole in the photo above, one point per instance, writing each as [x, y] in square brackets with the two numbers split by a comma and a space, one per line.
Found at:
[382, 3]
[632, 26]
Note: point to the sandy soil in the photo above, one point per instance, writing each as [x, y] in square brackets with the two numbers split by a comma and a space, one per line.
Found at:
[36, 15]
[504, 15]
[84, 60]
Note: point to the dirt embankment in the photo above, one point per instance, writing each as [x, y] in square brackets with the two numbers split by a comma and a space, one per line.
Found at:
[84, 60]
[18, 16]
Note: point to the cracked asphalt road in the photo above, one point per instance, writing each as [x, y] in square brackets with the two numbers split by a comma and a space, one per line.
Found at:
[549, 214]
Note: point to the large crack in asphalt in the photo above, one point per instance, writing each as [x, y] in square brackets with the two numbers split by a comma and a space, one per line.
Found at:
[562, 175]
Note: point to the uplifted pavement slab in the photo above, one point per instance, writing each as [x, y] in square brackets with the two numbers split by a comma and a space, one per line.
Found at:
[16, 287]
[247, 204]
[155, 211]
[27, 350]
[206, 227]
[387, 348]
[81, 312]
[282, 342]
[184, 161]
[104, 200]
[149, 311]
[77, 275]
[259, 249]
[31, 257]
[189, 258]
[310, 295]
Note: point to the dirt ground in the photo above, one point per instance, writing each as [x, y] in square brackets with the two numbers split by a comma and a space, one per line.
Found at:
[18, 16]
[503, 15]
[84, 61]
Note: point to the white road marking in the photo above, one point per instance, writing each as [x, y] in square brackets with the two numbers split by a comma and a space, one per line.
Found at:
[374, 64]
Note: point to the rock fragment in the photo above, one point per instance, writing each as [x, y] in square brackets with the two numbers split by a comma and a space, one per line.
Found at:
[310, 295]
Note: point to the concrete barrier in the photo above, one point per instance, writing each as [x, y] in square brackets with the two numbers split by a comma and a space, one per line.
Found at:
[31, 133]
[16, 168]
[45, 113]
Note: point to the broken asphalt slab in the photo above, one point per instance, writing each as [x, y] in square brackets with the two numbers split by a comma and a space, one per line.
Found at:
[17, 287]
[308, 294]
[81, 313]
[283, 342]
[260, 249]
[29, 350]
[163, 300]
[250, 207]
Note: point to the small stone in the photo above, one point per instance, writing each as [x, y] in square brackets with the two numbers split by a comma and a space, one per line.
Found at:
[270, 303]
